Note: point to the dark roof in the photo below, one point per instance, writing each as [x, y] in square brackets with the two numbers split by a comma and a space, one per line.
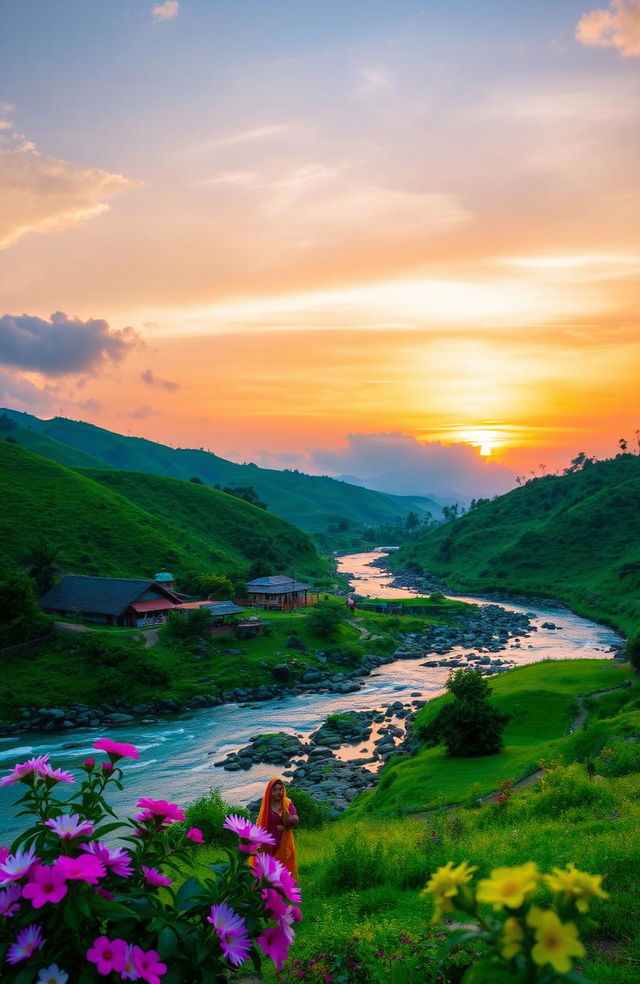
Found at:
[102, 595]
[277, 584]
[225, 608]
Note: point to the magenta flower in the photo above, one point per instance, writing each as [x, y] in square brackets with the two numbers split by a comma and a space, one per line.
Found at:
[89, 763]
[52, 975]
[4, 854]
[271, 870]
[55, 775]
[85, 868]
[67, 827]
[129, 972]
[116, 750]
[195, 834]
[27, 940]
[164, 811]
[148, 965]
[247, 831]
[285, 915]
[107, 766]
[107, 955]
[32, 767]
[17, 865]
[155, 878]
[9, 900]
[232, 933]
[46, 884]
[274, 943]
[116, 859]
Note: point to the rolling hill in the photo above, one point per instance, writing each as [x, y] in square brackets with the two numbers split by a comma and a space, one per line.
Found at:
[128, 525]
[310, 502]
[574, 537]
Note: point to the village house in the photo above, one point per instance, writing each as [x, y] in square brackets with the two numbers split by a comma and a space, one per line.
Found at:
[110, 600]
[278, 592]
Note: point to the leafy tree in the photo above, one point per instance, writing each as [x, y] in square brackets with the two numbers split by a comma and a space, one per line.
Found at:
[412, 520]
[21, 618]
[325, 619]
[246, 492]
[217, 586]
[43, 560]
[470, 726]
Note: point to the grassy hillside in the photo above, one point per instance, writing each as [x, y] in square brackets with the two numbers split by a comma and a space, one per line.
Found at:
[310, 502]
[574, 537]
[141, 525]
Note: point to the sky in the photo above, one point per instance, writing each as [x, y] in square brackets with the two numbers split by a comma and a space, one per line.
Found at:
[387, 239]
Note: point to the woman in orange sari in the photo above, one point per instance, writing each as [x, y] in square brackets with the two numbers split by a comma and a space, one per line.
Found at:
[278, 815]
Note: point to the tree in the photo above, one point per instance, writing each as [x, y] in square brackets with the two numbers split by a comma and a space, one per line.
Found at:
[325, 619]
[412, 520]
[43, 559]
[21, 618]
[470, 726]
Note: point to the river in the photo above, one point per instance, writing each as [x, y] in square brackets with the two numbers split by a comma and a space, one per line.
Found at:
[177, 753]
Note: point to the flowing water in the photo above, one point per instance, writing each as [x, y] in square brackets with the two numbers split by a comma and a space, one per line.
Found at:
[177, 754]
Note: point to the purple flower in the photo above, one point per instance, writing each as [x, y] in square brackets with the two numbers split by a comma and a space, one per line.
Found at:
[116, 750]
[9, 900]
[32, 767]
[251, 832]
[17, 865]
[27, 940]
[164, 811]
[274, 943]
[116, 859]
[83, 868]
[67, 827]
[55, 775]
[277, 874]
[195, 834]
[107, 955]
[155, 878]
[46, 884]
[232, 933]
[52, 975]
[148, 965]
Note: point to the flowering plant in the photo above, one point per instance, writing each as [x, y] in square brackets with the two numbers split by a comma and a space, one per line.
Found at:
[76, 906]
[525, 941]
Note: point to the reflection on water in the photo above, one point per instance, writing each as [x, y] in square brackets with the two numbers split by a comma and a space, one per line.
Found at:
[177, 755]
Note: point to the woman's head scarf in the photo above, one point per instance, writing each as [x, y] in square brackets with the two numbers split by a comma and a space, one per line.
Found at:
[286, 852]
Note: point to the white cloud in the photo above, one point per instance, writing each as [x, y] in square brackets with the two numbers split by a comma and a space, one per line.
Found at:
[167, 10]
[373, 79]
[251, 135]
[618, 26]
[45, 194]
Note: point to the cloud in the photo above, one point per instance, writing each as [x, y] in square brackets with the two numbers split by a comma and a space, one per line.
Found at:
[616, 27]
[151, 380]
[141, 413]
[251, 135]
[165, 11]
[62, 345]
[373, 80]
[401, 465]
[45, 194]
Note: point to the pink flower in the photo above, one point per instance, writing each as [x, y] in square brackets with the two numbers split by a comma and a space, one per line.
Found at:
[4, 854]
[17, 865]
[155, 878]
[89, 763]
[83, 868]
[27, 940]
[114, 859]
[67, 827]
[116, 750]
[148, 965]
[167, 812]
[32, 767]
[107, 767]
[46, 884]
[274, 943]
[129, 972]
[273, 871]
[195, 834]
[52, 975]
[9, 900]
[284, 914]
[257, 836]
[232, 933]
[55, 775]
[107, 954]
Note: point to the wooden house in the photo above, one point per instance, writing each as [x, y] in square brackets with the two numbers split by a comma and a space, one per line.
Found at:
[278, 592]
[110, 600]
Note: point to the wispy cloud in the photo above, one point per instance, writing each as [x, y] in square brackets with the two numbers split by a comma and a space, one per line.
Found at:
[251, 135]
[148, 377]
[45, 194]
[373, 79]
[165, 11]
[618, 26]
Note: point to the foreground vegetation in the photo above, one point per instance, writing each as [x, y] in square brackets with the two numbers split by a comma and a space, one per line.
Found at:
[574, 537]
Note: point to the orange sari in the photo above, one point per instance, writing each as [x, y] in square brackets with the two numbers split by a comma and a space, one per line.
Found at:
[286, 850]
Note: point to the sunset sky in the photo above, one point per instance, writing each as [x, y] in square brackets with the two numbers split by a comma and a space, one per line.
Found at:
[354, 237]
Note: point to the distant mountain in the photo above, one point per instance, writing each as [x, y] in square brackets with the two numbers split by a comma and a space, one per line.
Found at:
[310, 502]
[130, 525]
[574, 537]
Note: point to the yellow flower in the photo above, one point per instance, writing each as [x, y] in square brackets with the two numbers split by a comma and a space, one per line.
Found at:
[512, 937]
[576, 885]
[509, 886]
[445, 884]
[556, 942]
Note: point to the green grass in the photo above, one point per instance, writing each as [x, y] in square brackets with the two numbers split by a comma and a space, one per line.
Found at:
[541, 699]
[573, 537]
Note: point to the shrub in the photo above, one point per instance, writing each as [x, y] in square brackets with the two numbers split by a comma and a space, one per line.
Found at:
[564, 788]
[208, 813]
[469, 726]
[620, 758]
[313, 815]
[325, 619]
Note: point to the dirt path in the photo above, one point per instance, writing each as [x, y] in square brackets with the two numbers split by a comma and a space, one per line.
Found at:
[577, 724]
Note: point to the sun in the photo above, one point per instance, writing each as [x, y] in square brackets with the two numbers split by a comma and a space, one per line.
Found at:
[486, 439]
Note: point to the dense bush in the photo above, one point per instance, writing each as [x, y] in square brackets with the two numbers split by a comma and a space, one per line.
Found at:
[313, 815]
[21, 618]
[469, 726]
[208, 813]
[569, 788]
[325, 619]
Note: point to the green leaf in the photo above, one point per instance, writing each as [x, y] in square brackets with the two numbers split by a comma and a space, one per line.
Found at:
[167, 943]
[460, 936]
[107, 828]
[189, 895]
[491, 972]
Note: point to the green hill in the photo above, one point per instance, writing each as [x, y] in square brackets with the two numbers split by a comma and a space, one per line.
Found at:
[575, 537]
[139, 524]
[310, 502]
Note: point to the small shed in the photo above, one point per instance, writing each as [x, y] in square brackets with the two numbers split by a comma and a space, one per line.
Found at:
[278, 592]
